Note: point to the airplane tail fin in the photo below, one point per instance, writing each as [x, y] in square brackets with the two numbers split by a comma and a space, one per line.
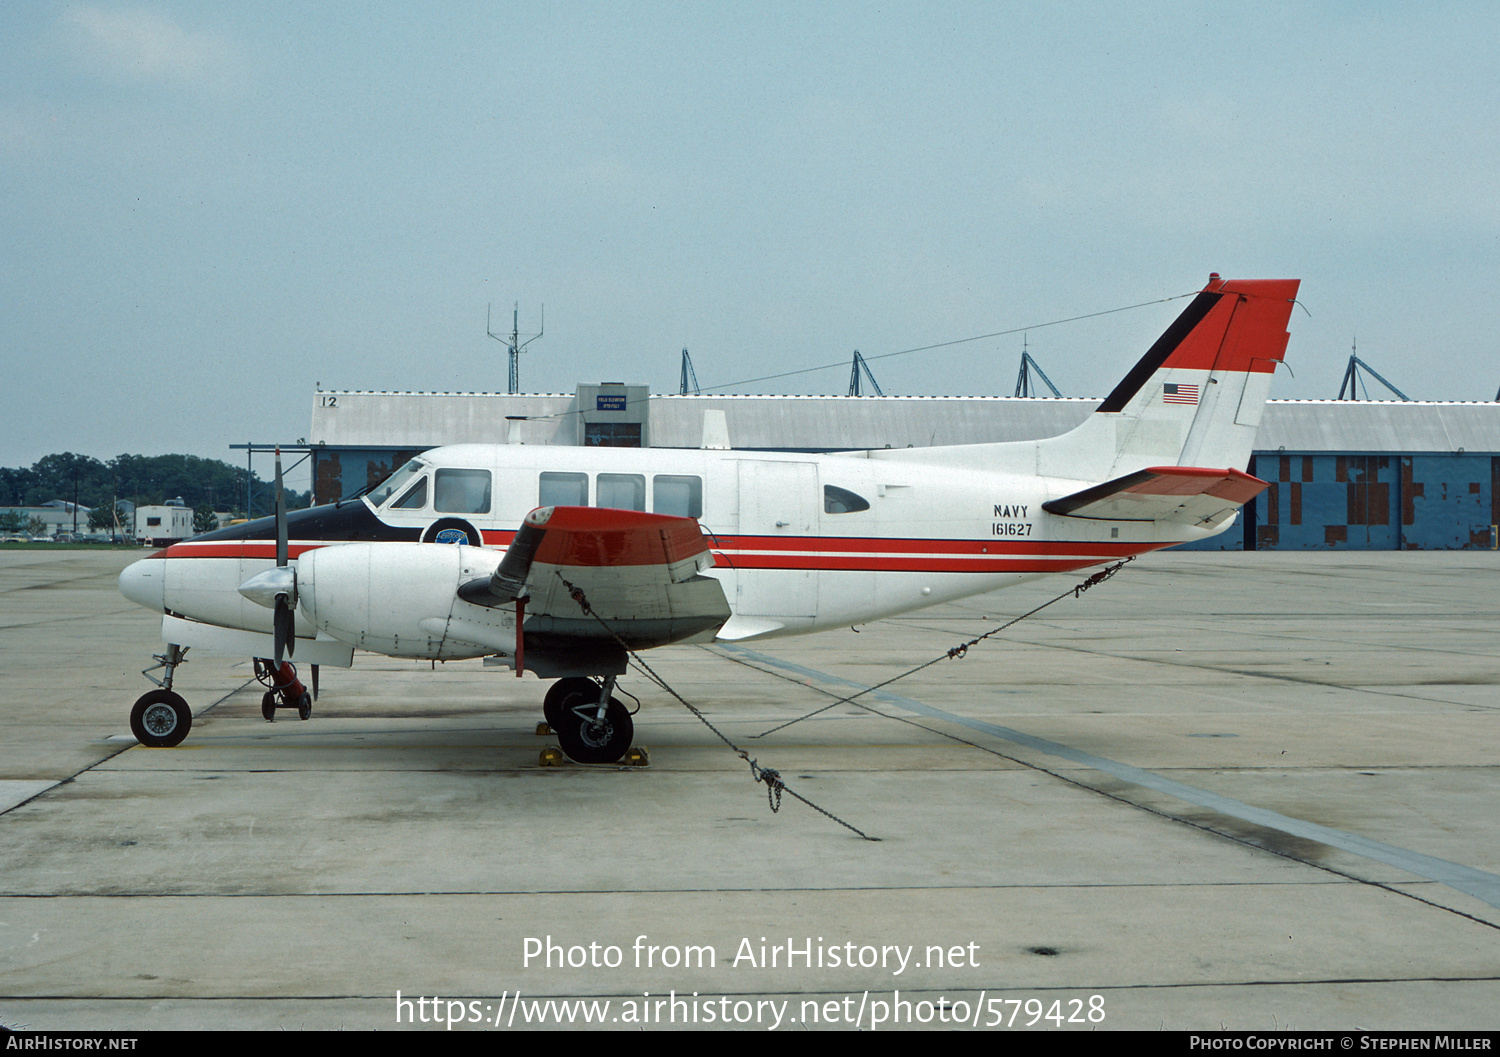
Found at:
[1196, 397]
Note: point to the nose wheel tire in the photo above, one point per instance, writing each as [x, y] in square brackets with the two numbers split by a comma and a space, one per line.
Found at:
[160, 719]
[588, 741]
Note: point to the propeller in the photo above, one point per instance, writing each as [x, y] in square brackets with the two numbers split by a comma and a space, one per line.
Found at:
[276, 589]
[282, 623]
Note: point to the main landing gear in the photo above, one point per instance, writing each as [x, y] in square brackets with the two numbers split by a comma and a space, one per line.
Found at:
[161, 719]
[283, 689]
[591, 725]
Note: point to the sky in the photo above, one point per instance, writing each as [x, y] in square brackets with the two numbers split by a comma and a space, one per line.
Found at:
[209, 210]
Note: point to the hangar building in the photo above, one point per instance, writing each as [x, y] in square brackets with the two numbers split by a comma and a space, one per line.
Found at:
[1345, 475]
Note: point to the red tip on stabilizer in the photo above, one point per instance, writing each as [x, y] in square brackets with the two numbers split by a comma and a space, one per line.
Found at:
[1244, 331]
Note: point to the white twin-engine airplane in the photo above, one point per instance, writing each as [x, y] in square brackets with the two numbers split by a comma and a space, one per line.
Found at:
[568, 557]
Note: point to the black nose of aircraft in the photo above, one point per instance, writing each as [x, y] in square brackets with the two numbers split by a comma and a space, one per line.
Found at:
[346, 522]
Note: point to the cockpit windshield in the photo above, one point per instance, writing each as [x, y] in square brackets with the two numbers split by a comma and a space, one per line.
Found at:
[395, 483]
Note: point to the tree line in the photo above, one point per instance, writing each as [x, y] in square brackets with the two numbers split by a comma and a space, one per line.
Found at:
[145, 480]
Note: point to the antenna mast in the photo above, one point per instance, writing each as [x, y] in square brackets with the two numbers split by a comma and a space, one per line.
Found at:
[855, 389]
[1352, 379]
[689, 381]
[514, 345]
[1023, 380]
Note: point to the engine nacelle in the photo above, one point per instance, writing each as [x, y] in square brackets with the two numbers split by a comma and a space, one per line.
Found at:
[402, 599]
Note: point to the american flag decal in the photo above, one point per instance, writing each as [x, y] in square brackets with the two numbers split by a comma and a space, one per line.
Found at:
[1177, 393]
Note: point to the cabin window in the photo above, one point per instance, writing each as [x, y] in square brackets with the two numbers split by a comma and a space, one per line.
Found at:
[678, 496]
[563, 489]
[414, 499]
[461, 492]
[842, 501]
[622, 491]
[395, 482]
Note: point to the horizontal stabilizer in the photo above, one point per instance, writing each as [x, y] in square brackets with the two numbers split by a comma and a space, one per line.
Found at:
[1191, 495]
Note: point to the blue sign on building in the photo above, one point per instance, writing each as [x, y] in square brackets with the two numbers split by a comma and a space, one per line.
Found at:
[609, 402]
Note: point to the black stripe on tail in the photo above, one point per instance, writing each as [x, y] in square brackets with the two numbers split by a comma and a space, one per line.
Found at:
[1158, 353]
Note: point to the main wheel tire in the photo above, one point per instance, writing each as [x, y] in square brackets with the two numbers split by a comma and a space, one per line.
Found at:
[587, 742]
[304, 706]
[160, 719]
[552, 704]
[268, 705]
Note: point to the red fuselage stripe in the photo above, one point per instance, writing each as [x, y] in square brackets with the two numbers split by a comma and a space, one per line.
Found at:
[236, 549]
[880, 545]
[818, 552]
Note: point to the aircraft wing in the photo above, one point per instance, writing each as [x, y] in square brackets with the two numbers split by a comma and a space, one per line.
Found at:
[1189, 494]
[639, 574]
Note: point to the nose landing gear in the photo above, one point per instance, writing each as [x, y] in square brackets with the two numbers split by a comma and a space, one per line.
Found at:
[161, 719]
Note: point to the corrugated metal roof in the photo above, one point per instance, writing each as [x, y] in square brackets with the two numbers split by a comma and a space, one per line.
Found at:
[350, 418]
[1379, 426]
[826, 423]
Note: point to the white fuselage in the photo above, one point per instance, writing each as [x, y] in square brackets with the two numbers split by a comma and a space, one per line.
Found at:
[800, 542]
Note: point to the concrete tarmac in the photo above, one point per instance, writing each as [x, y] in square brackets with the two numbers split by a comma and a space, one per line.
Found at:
[1252, 791]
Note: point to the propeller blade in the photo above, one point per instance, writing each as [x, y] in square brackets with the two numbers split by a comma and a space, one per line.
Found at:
[281, 541]
[281, 626]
